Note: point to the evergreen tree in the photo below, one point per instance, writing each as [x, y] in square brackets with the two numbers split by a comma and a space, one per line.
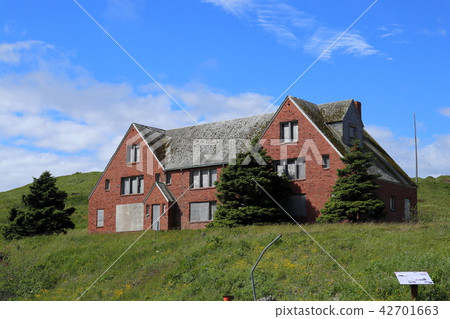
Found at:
[44, 211]
[353, 196]
[242, 201]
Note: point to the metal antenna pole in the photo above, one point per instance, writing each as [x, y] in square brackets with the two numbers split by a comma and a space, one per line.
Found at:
[415, 140]
[259, 258]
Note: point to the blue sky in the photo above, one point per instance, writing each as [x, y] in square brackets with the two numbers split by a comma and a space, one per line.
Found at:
[68, 92]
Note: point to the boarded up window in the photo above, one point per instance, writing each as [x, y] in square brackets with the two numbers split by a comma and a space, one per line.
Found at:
[203, 178]
[100, 217]
[289, 132]
[293, 169]
[195, 179]
[129, 217]
[132, 185]
[201, 212]
[133, 153]
[213, 176]
[296, 206]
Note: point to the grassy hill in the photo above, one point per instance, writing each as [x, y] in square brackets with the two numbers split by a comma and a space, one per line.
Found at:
[206, 264]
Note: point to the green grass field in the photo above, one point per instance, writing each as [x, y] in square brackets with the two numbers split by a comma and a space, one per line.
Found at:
[207, 264]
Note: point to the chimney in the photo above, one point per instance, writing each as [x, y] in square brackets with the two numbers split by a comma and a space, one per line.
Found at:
[358, 108]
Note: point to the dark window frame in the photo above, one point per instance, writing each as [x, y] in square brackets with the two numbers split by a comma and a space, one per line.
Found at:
[325, 161]
[292, 126]
[300, 168]
[102, 219]
[140, 185]
[392, 203]
[211, 211]
[133, 153]
[193, 182]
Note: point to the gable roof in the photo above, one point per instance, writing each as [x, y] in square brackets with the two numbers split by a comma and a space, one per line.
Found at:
[164, 190]
[334, 111]
[314, 114]
[179, 142]
[323, 114]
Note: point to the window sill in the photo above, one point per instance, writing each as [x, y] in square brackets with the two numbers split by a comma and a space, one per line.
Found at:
[290, 142]
[200, 188]
[326, 168]
[137, 194]
[200, 222]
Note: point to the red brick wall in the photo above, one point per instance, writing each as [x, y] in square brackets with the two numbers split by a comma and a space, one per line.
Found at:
[156, 198]
[118, 168]
[400, 192]
[180, 189]
[317, 185]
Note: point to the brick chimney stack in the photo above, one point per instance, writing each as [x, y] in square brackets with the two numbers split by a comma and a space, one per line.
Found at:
[358, 108]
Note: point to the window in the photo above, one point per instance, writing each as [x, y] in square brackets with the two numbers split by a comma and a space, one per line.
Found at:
[325, 161]
[392, 203]
[133, 153]
[203, 178]
[168, 178]
[202, 212]
[147, 211]
[132, 185]
[352, 132]
[157, 177]
[295, 205]
[289, 132]
[100, 217]
[293, 168]
[107, 184]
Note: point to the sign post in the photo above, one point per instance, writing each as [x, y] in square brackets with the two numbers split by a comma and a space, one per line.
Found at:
[414, 279]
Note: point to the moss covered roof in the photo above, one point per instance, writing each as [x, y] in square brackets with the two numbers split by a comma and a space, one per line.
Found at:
[334, 111]
[175, 147]
[315, 115]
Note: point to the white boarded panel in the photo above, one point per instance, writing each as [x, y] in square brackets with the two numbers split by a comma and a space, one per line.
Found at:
[129, 217]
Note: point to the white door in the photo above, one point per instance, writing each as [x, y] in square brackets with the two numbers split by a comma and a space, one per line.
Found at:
[407, 209]
[156, 214]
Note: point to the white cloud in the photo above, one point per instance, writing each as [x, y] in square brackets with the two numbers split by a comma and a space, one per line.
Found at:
[436, 32]
[432, 157]
[49, 120]
[123, 9]
[350, 43]
[236, 7]
[284, 21]
[276, 18]
[15, 52]
[390, 31]
[218, 106]
[445, 111]
[20, 165]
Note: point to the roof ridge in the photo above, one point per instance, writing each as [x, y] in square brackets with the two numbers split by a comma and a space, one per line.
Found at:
[215, 122]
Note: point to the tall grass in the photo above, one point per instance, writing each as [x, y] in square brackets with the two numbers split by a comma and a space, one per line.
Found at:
[207, 264]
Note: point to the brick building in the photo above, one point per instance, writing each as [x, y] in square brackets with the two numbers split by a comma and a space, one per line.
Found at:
[164, 179]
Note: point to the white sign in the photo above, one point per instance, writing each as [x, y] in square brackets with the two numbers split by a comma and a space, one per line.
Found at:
[414, 278]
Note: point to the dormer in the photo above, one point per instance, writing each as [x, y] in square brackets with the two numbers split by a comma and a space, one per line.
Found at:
[344, 117]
